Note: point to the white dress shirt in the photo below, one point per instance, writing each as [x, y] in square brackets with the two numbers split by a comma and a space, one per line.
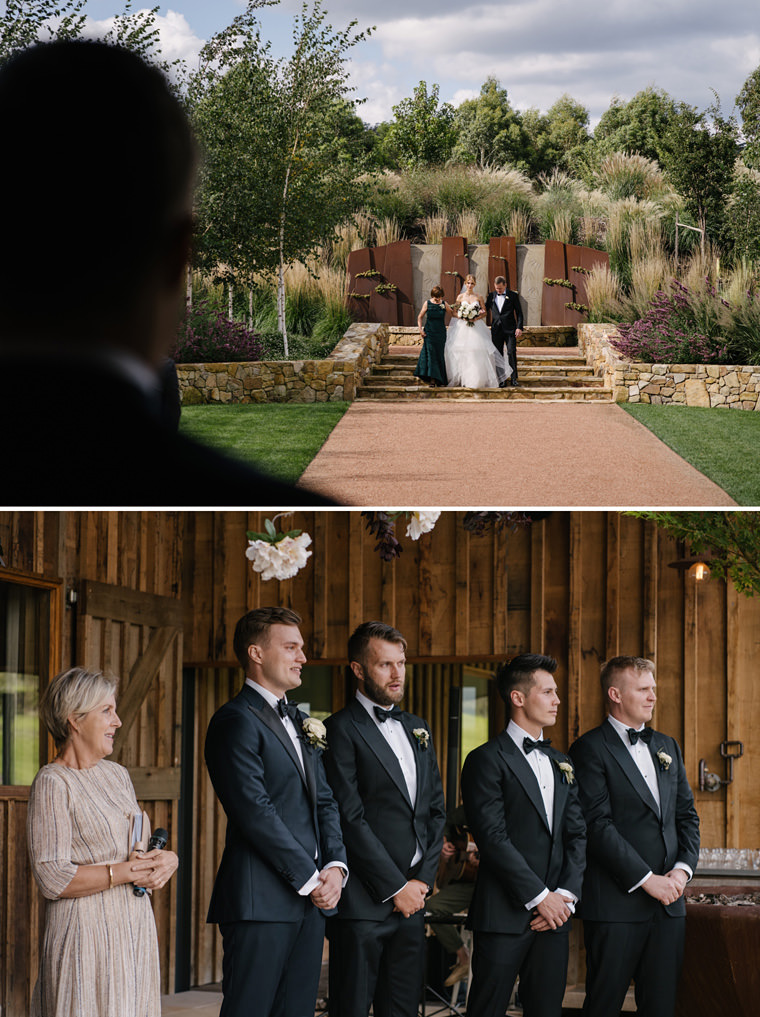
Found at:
[500, 298]
[292, 731]
[394, 733]
[543, 768]
[642, 757]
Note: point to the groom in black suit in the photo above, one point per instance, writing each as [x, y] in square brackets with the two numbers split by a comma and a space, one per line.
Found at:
[643, 847]
[521, 801]
[506, 317]
[382, 768]
[284, 863]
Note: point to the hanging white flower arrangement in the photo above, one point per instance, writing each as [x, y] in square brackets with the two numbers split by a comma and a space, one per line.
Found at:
[277, 555]
[421, 522]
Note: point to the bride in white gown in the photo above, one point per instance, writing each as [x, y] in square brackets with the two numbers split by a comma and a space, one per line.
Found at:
[472, 360]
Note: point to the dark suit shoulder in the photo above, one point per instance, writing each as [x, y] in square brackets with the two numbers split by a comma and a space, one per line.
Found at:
[339, 718]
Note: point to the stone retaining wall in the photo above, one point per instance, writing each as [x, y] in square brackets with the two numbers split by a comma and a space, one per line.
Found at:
[288, 381]
[724, 385]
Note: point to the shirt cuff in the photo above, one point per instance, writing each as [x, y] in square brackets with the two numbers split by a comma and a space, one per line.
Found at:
[536, 900]
[686, 868]
[339, 865]
[573, 899]
[641, 881]
[312, 884]
[395, 892]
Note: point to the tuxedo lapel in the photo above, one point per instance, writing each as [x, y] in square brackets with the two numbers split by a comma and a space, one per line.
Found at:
[309, 763]
[407, 723]
[624, 759]
[268, 716]
[664, 782]
[380, 747]
[521, 769]
[560, 793]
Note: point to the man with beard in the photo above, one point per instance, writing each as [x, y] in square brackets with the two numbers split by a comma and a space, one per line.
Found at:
[382, 768]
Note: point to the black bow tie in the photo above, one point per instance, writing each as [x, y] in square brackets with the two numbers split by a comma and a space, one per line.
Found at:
[645, 734]
[382, 715]
[287, 708]
[541, 743]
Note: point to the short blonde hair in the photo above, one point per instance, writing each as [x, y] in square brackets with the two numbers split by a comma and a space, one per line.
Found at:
[76, 691]
[468, 277]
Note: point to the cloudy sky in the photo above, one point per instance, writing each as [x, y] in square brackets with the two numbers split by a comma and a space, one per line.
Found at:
[538, 49]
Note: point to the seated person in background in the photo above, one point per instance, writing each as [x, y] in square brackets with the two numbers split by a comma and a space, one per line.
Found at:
[455, 883]
[92, 270]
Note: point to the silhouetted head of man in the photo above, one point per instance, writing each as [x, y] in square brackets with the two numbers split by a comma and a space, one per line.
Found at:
[96, 194]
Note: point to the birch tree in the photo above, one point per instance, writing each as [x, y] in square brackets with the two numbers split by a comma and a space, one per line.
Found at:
[277, 176]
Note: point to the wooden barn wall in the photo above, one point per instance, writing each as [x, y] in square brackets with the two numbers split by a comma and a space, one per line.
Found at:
[581, 586]
[137, 551]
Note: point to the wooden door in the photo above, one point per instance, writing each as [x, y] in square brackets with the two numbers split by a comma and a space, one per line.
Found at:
[138, 636]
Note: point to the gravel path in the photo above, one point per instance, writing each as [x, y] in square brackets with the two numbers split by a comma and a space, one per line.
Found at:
[522, 455]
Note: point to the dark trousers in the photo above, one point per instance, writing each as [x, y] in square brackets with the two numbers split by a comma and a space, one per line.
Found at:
[540, 959]
[378, 963]
[501, 339]
[271, 969]
[650, 952]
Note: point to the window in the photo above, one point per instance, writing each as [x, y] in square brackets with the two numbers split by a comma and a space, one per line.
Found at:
[474, 729]
[26, 610]
[315, 693]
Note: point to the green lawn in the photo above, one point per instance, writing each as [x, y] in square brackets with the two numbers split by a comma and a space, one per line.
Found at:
[279, 438]
[722, 444]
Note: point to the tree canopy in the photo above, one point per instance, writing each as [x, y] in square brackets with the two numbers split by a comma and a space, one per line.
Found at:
[489, 131]
[422, 132]
[637, 126]
[698, 152]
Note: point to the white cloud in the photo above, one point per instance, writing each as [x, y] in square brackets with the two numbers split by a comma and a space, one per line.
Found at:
[592, 49]
[176, 38]
[463, 94]
[379, 85]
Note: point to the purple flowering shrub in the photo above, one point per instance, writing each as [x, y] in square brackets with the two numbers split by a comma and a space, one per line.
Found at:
[678, 328]
[207, 336]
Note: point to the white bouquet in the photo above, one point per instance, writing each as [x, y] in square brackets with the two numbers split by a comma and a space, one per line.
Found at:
[468, 312]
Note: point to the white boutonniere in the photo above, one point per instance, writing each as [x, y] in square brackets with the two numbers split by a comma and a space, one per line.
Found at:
[664, 759]
[314, 732]
[567, 771]
[422, 735]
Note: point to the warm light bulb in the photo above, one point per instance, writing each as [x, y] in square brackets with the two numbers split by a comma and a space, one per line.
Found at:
[699, 572]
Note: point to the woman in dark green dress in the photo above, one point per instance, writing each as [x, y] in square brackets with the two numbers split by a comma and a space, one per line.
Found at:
[431, 367]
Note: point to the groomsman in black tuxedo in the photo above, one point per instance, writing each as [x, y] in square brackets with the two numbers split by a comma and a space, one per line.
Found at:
[643, 847]
[382, 768]
[284, 864]
[521, 801]
[506, 318]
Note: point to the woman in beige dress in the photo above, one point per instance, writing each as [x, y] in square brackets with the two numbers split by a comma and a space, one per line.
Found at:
[100, 951]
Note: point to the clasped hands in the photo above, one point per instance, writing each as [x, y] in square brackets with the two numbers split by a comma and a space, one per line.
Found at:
[152, 869]
[410, 898]
[668, 888]
[327, 894]
[551, 912]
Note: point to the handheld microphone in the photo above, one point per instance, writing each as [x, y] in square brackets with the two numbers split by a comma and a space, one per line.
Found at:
[158, 839]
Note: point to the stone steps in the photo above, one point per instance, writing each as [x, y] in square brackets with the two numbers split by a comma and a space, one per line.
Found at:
[520, 393]
[529, 378]
[553, 376]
